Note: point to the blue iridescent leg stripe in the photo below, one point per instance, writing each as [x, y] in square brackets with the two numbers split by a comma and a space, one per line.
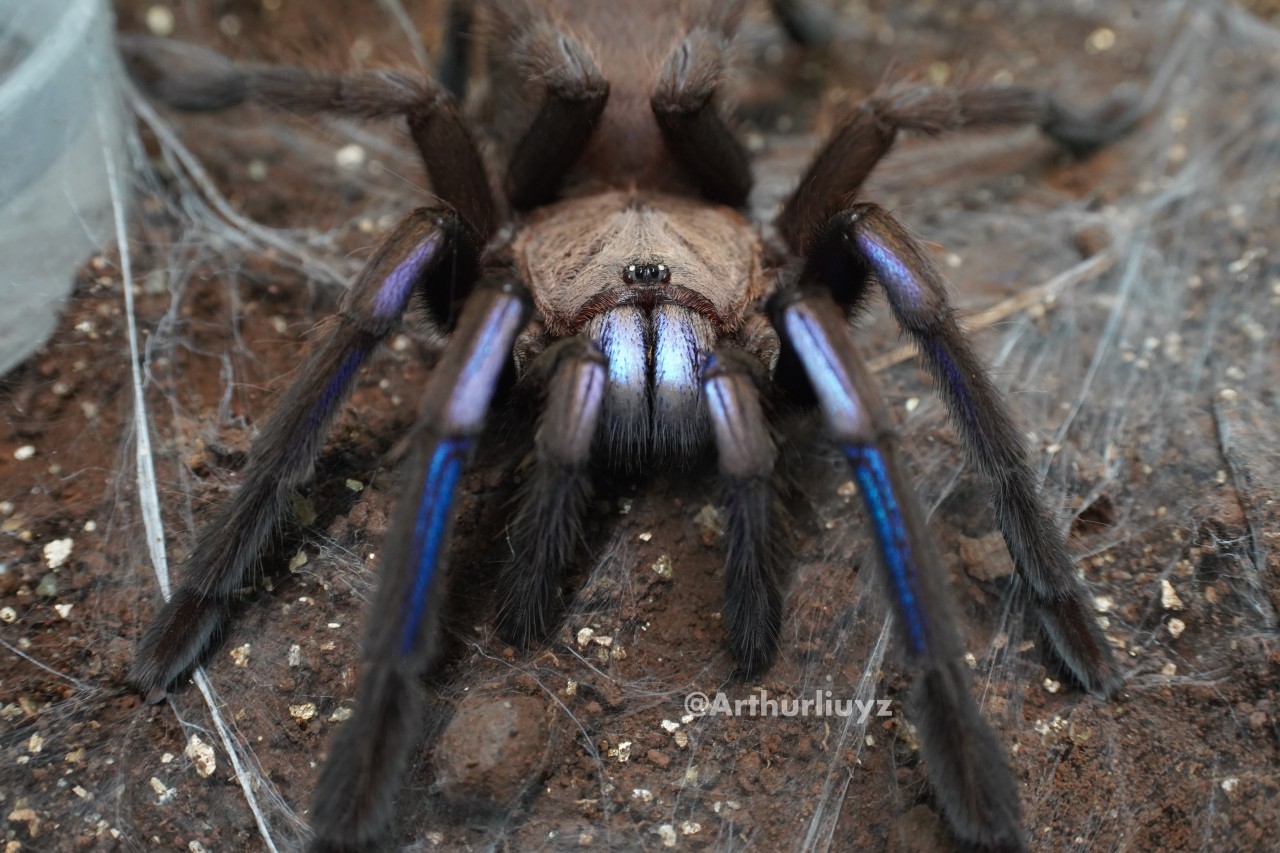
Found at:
[429, 531]
[282, 456]
[968, 768]
[366, 762]
[878, 244]
[874, 485]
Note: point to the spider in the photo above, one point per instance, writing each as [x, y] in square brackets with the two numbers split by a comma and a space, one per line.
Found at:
[617, 278]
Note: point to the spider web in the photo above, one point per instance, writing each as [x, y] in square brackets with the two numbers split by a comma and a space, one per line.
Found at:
[1129, 304]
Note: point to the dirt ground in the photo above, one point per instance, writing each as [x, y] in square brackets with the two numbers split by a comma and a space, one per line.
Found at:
[1130, 302]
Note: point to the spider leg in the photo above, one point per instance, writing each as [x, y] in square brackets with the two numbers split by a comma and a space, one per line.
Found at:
[455, 59]
[416, 255]
[198, 79]
[756, 554]
[867, 239]
[354, 795]
[807, 23]
[684, 104]
[547, 527]
[968, 768]
[866, 136]
[573, 100]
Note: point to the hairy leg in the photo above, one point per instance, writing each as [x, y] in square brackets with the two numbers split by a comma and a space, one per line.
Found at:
[572, 101]
[684, 104]
[416, 256]
[969, 770]
[198, 79]
[455, 59]
[354, 796]
[806, 22]
[547, 527]
[867, 135]
[865, 241]
[756, 554]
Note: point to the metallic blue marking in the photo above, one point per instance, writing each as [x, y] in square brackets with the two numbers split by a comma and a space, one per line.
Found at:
[723, 408]
[891, 535]
[623, 345]
[828, 376]
[475, 384]
[620, 335]
[675, 365]
[957, 387]
[892, 272]
[333, 391]
[429, 530]
[390, 299]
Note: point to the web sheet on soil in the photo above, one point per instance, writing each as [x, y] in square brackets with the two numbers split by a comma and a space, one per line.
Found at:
[1130, 305]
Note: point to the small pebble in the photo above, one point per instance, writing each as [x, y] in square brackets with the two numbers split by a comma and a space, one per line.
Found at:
[621, 752]
[159, 20]
[202, 756]
[350, 156]
[163, 791]
[302, 713]
[1101, 39]
[662, 567]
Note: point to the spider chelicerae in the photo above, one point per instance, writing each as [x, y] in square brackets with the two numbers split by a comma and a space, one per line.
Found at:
[617, 278]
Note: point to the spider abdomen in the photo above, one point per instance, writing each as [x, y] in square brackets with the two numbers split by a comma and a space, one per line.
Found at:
[653, 403]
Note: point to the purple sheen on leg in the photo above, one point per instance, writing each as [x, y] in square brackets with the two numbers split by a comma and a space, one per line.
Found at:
[333, 391]
[898, 279]
[957, 386]
[389, 301]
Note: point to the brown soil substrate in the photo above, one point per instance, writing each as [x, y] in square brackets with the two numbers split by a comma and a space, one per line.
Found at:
[1147, 373]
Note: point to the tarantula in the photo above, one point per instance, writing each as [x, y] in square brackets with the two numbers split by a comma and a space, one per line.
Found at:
[617, 277]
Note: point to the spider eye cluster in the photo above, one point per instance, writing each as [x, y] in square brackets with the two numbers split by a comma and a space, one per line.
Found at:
[646, 274]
